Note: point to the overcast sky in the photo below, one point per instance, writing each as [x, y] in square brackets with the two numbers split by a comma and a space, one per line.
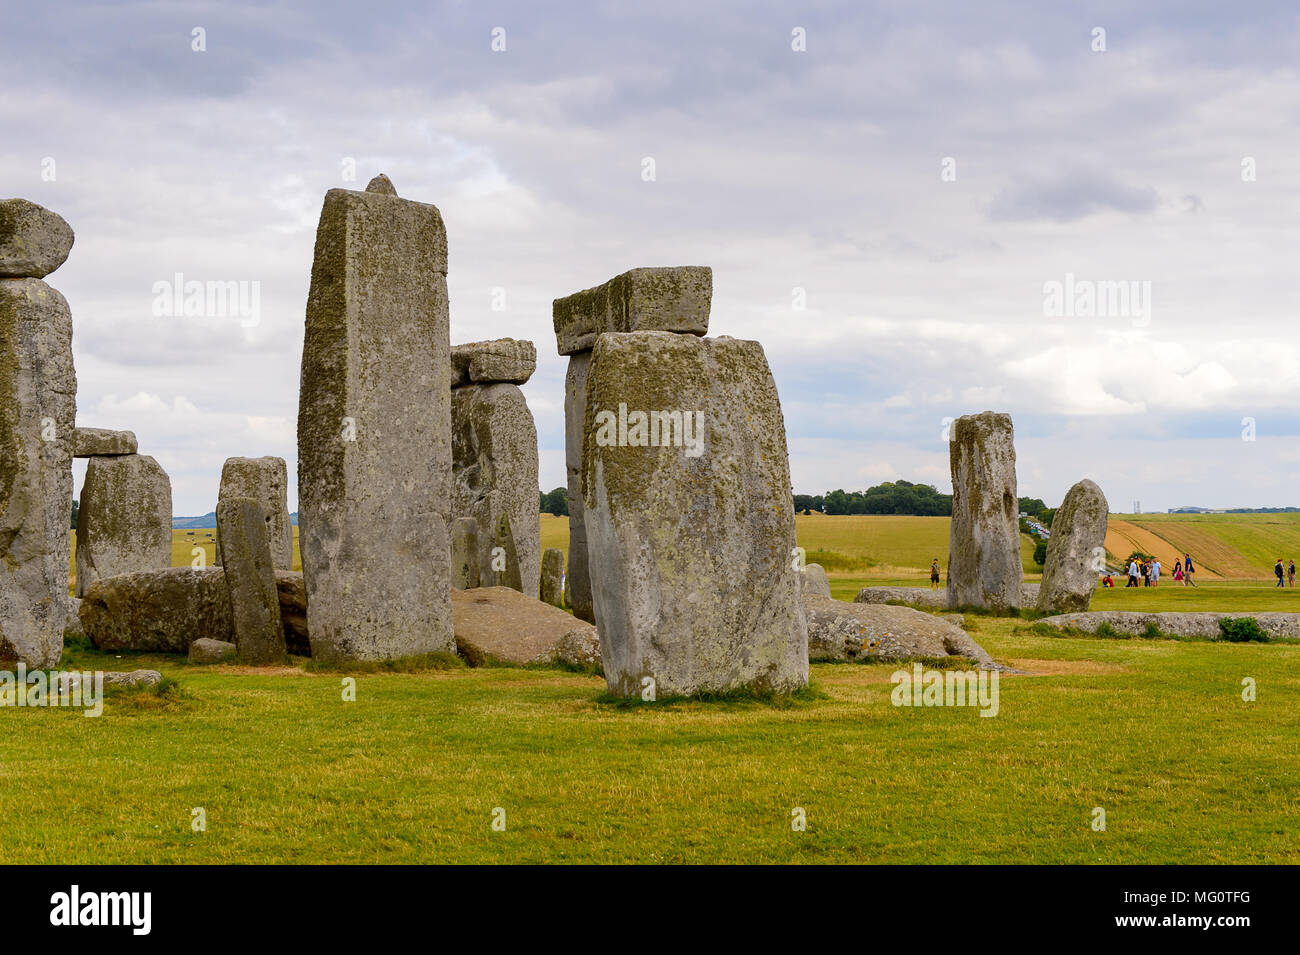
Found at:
[823, 170]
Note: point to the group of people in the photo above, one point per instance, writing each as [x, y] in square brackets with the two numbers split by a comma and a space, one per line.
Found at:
[1149, 570]
[1289, 572]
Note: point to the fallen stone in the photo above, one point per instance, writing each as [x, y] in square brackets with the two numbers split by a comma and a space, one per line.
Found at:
[683, 533]
[861, 631]
[465, 566]
[250, 578]
[374, 442]
[158, 610]
[984, 568]
[207, 650]
[101, 442]
[33, 240]
[499, 623]
[1076, 552]
[911, 596]
[502, 360]
[266, 481]
[113, 678]
[813, 580]
[676, 299]
[553, 577]
[38, 388]
[1203, 625]
[124, 523]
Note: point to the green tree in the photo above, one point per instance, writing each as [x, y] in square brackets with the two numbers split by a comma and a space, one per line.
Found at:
[556, 502]
[1040, 553]
[75, 507]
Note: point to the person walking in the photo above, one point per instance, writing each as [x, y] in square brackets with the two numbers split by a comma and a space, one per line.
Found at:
[1178, 570]
[1290, 573]
[1155, 571]
[1279, 572]
[1132, 574]
[934, 573]
[1188, 571]
[1146, 572]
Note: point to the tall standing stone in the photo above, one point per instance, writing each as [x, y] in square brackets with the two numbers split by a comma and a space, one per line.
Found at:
[984, 568]
[265, 480]
[38, 388]
[690, 523]
[124, 521]
[1076, 550]
[242, 530]
[552, 574]
[374, 430]
[674, 299]
[465, 568]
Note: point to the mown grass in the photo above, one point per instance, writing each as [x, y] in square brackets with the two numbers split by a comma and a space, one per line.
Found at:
[1154, 731]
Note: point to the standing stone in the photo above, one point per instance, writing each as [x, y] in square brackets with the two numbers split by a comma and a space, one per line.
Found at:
[813, 580]
[250, 577]
[38, 388]
[494, 470]
[1076, 551]
[266, 481]
[124, 522]
[689, 517]
[552, 575]
[675, 299]
[984, 568]
[465, 573]
[33, 240]
[374, 431]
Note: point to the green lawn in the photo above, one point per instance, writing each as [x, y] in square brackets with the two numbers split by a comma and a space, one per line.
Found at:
[1155, 732]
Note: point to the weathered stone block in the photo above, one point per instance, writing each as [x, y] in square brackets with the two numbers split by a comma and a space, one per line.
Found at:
[465, 570]
[1076, 551]
[502, 360]
[984, 568]
[690, 523]
[124, 522]
[266, 481]
[158, 610]
[207, 650]
[250, 577]
[675, 299]
[101, 442]
[577, 584]
[813, 581]
[553, 577]
[33, 240]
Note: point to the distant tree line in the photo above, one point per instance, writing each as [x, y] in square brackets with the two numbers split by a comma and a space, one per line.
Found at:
[556, 502]
[904, 497]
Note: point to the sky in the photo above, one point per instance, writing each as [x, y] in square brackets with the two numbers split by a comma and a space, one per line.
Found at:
[909, 205]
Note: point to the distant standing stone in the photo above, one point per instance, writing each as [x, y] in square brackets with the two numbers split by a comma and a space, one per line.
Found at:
[124, 522]
[813, 581]
[250, 577]
[464, 554]
[1076, 551]
[553, 577]
[33, 240]
[984, 568]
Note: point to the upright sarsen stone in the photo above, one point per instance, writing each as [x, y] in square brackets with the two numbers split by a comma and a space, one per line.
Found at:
[465, 568]
[984, 568]
[552, 575]
[374, 431]
[250, 578]
[689, 518]
[38, 389]
[124, 522]
[1076, 551]
[577, 583]
[266, 481]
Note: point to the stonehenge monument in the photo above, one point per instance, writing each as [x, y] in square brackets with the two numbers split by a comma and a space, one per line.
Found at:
[38, 404]
[984, 568]
[374, 430]
[250, 579]
[689, 518]
[660, 299]
[1076, 552]
[265, 480]
[124, 523]
[494, 459]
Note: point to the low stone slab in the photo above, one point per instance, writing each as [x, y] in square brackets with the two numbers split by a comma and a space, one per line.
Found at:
[1204, 625]
[500, 623]
[813, 581]
[862, 631]
[160, 610]
[675, 299]
[119, 678]
[912, 596]
[33, 240]
[207, 650]
[503, 360]
[101, 442]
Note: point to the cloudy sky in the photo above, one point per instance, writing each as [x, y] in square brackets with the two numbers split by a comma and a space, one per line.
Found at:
[886, 210]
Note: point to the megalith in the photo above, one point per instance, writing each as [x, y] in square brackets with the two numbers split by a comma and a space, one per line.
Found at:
[101, 442]
[38, 395]
[124, 521]
[552, 577]
[244, 543]
[673, 299]
[1076, 551]
[689, 518]
[374, 430]
[464, 554]
[984, 568]
[266, 481]
[494, 459]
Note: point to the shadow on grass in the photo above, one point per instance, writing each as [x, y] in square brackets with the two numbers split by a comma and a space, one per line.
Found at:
[740, 697]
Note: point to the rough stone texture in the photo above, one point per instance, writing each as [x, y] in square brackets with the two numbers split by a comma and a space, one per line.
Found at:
[293, 611]
[38, 389]
[464, 554]
[72, 627]
[1075, 552]
[266, 481]
[33, 240]
[1029, 594]
[813, 581]
[553, 577]
[1201, 624]
[675, 299]
[124, 523]
[984, 568]
[114, 678]
[494, 481]
[861, 631]
[912, 596]
[250, 577]
[374, 423]
[381, 185]
[577, 584]
[499, 623]
[160, 610]
[207, 650]
[101, 442]
[690, 553]
[502, 360]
